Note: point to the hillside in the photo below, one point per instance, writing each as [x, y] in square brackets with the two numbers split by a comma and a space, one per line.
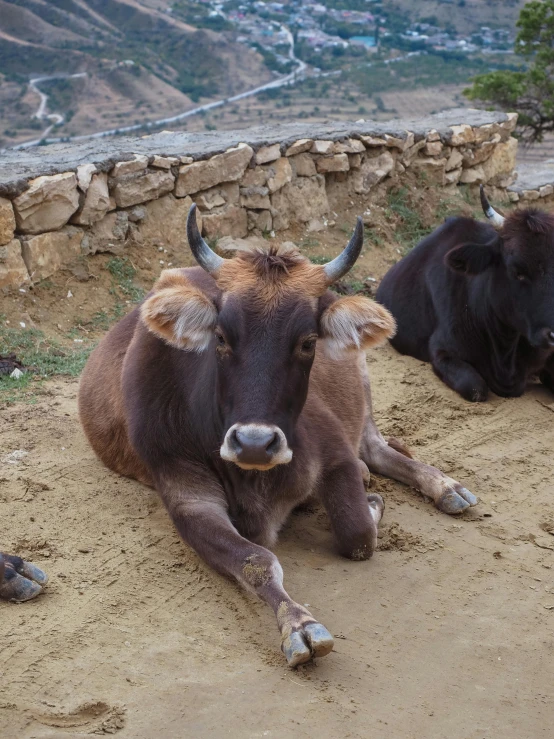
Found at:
[141, 63]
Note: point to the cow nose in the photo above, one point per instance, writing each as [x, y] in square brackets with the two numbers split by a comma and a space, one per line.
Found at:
[547, 337]
[255, 445]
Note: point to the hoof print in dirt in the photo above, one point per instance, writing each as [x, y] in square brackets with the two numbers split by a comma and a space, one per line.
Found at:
[20, 580]
[312, 641]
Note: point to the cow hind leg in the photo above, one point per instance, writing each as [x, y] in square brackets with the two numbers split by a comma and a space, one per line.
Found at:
[460, 376]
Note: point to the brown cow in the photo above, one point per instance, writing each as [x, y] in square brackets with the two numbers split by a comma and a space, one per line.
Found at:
[239, 390]
[19, 580]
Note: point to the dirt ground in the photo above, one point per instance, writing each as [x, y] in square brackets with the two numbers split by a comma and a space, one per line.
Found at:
[446, 633]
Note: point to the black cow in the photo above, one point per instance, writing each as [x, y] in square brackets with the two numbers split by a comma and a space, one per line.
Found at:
[477, 301]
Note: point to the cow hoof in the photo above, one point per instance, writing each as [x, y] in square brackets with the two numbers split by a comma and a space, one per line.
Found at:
[313, 640]
[456, 501]
[22, 580]
[376, 506]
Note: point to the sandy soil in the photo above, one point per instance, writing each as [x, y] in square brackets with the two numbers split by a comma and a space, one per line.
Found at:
[447, 632]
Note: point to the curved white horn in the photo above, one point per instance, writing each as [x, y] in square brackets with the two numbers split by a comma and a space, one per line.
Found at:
[340, 265]
[205, 257]
[496, 219]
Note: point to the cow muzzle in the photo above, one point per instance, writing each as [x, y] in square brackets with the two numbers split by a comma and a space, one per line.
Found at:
[543, 339]
[255, 446]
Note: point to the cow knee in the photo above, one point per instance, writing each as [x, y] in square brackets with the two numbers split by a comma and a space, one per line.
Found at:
[360, 545]
[473, 388]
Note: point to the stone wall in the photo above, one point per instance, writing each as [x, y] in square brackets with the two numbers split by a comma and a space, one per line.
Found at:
[61, 202]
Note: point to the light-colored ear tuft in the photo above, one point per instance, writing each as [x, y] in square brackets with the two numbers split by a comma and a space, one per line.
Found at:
[354, 323]
[180, 313]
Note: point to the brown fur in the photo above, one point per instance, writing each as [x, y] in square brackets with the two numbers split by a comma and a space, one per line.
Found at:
[160, 414]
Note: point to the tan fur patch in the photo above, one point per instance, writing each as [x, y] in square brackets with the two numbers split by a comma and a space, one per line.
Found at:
[354, 323]
[179, 312]
[272, 276]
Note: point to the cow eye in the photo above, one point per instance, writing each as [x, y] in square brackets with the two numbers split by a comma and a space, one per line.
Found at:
[521, 275]
[308, 345]
[220, 339]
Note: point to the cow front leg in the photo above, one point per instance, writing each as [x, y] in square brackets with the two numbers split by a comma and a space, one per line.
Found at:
[20, 580]
[354, 515]
[459, 375]
[203, 522]
[447, 494]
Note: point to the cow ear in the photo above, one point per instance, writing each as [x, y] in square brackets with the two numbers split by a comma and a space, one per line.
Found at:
[354, 323]
[472, 259]
[180, 313]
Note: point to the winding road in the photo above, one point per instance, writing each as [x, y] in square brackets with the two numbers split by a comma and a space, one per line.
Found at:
[58, 119]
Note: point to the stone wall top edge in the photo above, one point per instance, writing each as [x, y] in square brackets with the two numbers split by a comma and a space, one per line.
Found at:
[16, 167]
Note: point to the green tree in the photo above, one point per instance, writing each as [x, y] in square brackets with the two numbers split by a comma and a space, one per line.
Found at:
[529, 91]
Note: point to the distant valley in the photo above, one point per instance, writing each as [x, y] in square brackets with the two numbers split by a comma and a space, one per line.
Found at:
[102, 65]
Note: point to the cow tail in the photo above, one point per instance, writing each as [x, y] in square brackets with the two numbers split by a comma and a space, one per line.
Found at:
[399, 446]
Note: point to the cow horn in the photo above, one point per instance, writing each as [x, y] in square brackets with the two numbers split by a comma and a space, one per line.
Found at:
[492, 215]
[205, 256]
[340, 265]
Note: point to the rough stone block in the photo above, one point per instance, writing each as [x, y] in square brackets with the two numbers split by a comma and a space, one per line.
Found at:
[224, 194]
[546, 190]
[164, 223]
[454, 160]
[355, 161]
[530, 194]
[372, 172]
[395, 142]
[229, 222]
[433, 148]
[84, 176]
[300, 201]
[7, 221]
[140, 188]
[48, 252]
[164, 162]
[303, 165]
[349, 146]
[260, 220]
[433, 170]
[453, 177]
[268, 154]
[96, 201]
[13, 271]
[486, 132]
[139, 163]
[462, 134]
[299, 147]
[322, 147]
[226, 167]
[501, 163]
[372, 141]
[479, 154]
[433, 135]
[48, 204]
[109, 234]
[473, 176]
[336, 163]
[278, 174]
[256, 177]
[255, 197]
